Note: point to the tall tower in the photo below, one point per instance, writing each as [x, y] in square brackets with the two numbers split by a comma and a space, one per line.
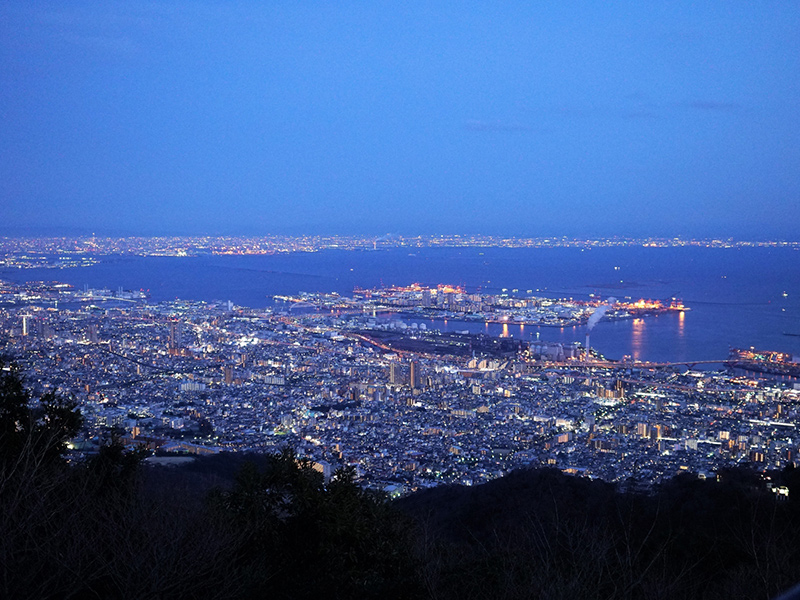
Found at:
[415, 375]
[394, 372]
[175, 335]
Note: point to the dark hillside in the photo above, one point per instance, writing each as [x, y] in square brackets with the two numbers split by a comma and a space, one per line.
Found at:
[543, 534]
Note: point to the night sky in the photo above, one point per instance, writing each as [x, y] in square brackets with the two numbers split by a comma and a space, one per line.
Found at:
[558, 118]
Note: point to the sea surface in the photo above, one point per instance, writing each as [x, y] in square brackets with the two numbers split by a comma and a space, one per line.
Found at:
[739, 297]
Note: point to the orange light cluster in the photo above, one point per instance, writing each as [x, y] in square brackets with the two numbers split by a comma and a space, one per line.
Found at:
[761, 355]
[642, 305]
[442, 288]
[449, 289]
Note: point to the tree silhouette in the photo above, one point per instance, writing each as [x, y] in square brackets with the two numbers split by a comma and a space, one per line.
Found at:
[305, 539]
[29, 430]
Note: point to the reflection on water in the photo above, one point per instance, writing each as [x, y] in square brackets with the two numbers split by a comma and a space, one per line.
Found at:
[637, 339]
[661, 338]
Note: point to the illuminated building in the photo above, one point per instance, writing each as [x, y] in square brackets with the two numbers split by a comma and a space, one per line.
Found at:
[415, 375]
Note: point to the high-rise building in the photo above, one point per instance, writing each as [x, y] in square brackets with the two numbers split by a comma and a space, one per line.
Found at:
[426, 298]
[449, 300]
[175, 335]
[394, 372]
[415, 378]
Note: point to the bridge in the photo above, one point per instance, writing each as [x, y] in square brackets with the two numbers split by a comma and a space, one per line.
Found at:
[301, 305]
[657, 365]
[609, 364]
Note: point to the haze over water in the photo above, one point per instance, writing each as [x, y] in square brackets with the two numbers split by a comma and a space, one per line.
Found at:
[736, 295]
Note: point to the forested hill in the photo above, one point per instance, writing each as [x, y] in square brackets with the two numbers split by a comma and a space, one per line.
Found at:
[543, 534]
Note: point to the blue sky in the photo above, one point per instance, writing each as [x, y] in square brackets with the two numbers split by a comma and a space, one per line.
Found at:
[557, 118]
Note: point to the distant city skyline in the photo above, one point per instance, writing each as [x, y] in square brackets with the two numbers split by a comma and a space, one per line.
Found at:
[576, 119]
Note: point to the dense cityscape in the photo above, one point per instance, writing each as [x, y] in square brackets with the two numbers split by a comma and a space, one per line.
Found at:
[67, 252]
[361, 381]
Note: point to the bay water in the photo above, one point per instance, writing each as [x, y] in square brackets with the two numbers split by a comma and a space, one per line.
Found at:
[740, 297]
